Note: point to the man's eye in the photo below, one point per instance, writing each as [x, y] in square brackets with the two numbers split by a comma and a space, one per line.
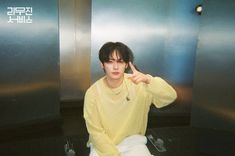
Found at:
[120, 61]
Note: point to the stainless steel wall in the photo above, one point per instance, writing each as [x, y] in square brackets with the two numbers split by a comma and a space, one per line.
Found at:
[75, 32]
[29, 63]
[161, 33]
[214, 85]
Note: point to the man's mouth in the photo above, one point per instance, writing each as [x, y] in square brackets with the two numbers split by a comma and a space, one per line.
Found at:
[115, 73]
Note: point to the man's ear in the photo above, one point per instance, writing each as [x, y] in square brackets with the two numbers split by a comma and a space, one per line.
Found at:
[101, 65]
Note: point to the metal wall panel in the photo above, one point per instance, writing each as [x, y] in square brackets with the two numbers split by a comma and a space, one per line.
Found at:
[75, 29]
[29, 62]
[161, 33]
[214, 85]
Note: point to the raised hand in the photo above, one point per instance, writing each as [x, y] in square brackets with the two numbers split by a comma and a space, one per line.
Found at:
[137, 76]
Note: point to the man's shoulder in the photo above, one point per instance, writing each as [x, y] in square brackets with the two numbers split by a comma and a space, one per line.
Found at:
[93, 88]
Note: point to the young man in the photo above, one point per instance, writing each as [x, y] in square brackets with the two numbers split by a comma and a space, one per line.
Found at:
[116, 106]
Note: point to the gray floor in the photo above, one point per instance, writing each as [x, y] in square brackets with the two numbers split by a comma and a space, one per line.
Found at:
[189, 141]
[48, 139]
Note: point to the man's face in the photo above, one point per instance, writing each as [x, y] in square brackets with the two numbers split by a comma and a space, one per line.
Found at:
[115, 67]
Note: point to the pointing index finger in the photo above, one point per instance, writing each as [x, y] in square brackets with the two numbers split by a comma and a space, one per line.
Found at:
[132, 67]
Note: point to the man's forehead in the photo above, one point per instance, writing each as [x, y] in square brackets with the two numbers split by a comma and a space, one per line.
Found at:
[115, 55]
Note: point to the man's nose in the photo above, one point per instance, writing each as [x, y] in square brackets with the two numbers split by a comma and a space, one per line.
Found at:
[115, 65]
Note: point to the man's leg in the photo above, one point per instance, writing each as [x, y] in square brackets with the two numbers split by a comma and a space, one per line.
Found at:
[138, 150]
[92, 151]
[134, 145]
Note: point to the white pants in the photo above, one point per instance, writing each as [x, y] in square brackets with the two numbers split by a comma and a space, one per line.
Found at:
[134, 145]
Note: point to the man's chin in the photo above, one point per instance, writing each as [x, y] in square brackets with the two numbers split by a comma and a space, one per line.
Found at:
[116, 77]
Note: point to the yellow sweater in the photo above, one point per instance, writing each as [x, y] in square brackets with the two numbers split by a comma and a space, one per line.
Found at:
[114, 114]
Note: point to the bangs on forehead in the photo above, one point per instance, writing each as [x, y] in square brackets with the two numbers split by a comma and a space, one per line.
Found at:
[117, 53]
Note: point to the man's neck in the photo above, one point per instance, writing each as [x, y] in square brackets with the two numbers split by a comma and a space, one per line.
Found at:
[113, 83]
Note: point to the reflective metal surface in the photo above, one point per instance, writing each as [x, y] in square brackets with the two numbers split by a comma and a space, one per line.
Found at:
[29, 64]
[161, 33]
[214, 85]
[75, 29]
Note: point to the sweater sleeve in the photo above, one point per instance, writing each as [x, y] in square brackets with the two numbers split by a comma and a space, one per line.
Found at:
[161, 92]
[99, 139]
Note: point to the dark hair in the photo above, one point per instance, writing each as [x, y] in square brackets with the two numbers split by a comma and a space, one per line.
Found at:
[109, 48]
